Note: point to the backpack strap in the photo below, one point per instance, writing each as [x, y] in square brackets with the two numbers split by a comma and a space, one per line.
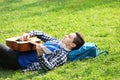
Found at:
[103, 51]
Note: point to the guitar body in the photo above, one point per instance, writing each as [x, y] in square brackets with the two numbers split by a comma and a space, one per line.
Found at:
[22, 46]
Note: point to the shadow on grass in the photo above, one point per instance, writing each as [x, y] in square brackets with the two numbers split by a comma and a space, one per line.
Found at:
[19, 74]
[6, 73]
[31, 74]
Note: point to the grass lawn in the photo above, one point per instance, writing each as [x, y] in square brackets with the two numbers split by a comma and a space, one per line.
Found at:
[97, 20]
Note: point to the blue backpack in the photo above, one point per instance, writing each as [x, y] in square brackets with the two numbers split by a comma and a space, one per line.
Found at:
[88, 50]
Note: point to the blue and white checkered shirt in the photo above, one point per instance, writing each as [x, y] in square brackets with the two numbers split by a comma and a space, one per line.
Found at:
[57, 58]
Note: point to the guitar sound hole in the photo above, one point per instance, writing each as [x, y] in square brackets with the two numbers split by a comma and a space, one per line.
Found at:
[19, 40]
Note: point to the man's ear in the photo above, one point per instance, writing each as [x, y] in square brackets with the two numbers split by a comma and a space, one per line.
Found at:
[73, 45]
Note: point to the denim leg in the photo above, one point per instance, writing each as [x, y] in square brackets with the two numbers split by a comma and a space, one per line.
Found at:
[8, 57]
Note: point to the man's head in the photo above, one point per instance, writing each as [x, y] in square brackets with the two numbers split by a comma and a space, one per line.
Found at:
[73, 41]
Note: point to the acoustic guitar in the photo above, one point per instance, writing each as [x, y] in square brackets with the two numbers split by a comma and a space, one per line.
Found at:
[22, 46]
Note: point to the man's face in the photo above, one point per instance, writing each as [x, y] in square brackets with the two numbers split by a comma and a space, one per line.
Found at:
[68, 39]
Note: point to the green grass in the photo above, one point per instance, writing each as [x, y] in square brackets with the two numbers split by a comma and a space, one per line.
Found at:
[97, 20]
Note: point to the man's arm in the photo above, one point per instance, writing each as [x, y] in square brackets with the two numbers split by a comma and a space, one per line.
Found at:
[41, 35]
[59, 58]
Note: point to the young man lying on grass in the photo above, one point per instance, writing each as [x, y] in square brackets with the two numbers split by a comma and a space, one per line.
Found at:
[39, 59]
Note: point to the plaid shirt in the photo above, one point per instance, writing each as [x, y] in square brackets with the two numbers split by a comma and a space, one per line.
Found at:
[57, 58]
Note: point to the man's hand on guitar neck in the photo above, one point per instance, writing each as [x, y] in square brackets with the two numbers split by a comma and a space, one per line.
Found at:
[39, 49]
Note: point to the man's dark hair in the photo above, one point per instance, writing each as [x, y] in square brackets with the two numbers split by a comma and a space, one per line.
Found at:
[78, 40]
